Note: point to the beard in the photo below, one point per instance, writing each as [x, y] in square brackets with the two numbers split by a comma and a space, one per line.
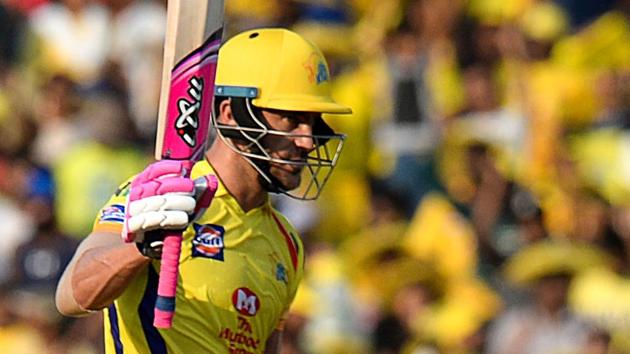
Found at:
[287, 177]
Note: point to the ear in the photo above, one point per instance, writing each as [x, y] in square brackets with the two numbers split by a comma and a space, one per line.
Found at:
[225, 112]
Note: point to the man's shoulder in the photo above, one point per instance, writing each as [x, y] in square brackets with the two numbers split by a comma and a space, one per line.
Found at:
[292, 238]
[285, 225]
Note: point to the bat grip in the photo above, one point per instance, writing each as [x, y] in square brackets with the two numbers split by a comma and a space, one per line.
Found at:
[167, 285]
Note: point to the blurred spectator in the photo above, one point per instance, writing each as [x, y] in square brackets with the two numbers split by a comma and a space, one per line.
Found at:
[516, 51]
[409, 289]
[441, 236]
[600, 295]
[498, 207]
[32, 325]
[17, 224]
[26, 6]
[137, 31]
[248, 14]
[389, 336]
[613, 90]
[582, 12]
[546, 324]
[599, 149]
[55, 112]
[410, 134]
[394, 331]
[543, 329]
[418, 51]
[384, 230]
[38, 262]
[74, 37]
[16, 335]
[333, 324]
[35, 269]
[458, 322]
[84, 176]
[12, 36]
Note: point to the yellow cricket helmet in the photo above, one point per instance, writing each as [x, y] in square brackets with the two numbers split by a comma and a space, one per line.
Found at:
[277, 69]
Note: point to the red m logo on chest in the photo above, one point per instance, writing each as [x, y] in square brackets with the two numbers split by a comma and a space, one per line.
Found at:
[245, 301]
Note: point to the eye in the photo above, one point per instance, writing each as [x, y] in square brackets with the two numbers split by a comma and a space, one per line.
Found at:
[292, 121]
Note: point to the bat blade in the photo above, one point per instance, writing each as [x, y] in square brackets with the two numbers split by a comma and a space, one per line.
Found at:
[193, 36]
[194, 31]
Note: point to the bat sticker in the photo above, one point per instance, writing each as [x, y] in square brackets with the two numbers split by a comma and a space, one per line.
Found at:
[187, 122]
[190, 103]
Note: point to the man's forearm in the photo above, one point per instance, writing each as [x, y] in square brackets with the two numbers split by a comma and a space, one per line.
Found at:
[97, 277]
[102, 274]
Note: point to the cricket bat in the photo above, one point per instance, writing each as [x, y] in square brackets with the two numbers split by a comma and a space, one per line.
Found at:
[193, 35]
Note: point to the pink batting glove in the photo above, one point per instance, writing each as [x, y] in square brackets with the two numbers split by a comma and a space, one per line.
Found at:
[160, 197]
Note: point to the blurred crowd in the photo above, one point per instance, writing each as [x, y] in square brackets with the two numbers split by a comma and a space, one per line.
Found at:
[481, 205]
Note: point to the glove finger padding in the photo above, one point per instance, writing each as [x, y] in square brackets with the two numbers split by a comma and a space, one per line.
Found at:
[152, 220]
[163, 203]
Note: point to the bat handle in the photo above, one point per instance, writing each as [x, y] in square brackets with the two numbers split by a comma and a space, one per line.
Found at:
[167, 285]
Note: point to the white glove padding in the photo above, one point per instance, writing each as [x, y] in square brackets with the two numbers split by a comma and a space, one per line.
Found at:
[169, 211]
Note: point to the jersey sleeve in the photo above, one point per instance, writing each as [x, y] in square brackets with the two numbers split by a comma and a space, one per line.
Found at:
[111, 216]
[293, 287]
[294, 242]
[299, 273]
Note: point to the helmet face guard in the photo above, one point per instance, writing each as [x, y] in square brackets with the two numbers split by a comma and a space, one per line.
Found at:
[252, 128]
[277, 69]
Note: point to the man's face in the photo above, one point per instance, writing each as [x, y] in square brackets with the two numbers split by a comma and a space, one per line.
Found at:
[293, 147]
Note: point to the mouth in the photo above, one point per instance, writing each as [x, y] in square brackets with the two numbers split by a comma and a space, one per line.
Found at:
[293, 169]
[291, 164]
[295, 166]
[296, 170]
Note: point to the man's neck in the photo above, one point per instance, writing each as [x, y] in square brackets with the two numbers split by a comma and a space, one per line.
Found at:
[237, 175]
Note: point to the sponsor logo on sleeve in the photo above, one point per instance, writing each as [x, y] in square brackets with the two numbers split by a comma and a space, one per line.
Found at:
[281, 273]
[113, 213]
[208, 241]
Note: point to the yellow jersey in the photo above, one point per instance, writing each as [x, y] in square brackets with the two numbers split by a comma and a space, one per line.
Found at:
[238, 275]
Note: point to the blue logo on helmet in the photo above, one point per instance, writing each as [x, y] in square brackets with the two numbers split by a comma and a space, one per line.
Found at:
[322, 73]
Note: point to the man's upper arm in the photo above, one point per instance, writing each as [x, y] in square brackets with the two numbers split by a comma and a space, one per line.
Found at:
[272, 346]
[106, 235]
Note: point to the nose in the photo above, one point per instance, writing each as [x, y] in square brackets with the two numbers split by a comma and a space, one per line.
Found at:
[305, 139]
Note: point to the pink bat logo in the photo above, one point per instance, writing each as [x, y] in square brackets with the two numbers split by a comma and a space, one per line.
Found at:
[187, 122]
